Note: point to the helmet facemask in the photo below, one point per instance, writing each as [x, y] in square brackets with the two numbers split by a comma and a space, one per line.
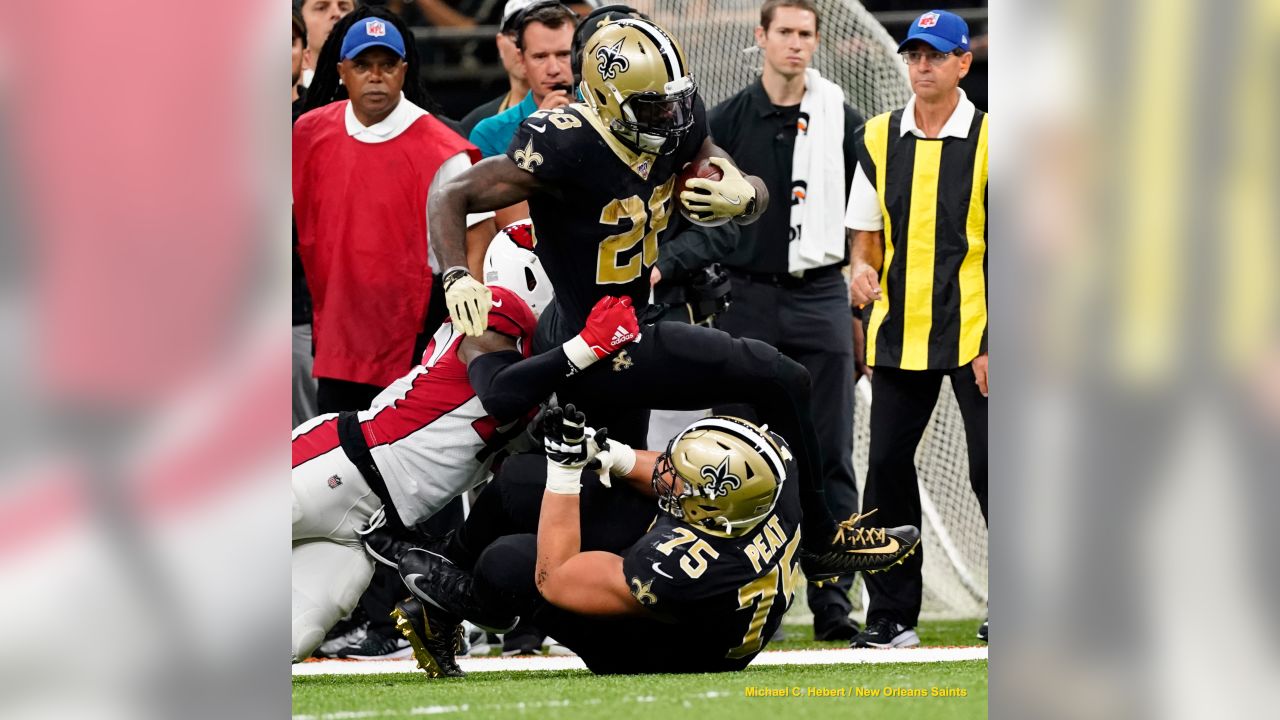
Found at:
[653, 123]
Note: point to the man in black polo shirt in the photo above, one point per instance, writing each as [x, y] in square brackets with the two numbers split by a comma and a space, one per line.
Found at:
[787, 286]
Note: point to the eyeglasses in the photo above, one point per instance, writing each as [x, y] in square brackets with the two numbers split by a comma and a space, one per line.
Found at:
[935, 58]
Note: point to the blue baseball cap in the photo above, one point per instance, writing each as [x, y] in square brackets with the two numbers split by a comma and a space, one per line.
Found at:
[371, 32]
[944, 31]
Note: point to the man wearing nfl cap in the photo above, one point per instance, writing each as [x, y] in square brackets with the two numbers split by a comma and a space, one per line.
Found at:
[917, 214]
[362, 171]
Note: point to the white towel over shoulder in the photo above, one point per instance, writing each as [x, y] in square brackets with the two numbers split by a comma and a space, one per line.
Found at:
[817, 178]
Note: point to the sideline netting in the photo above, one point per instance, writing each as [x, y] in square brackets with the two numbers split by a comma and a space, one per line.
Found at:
[858, 54]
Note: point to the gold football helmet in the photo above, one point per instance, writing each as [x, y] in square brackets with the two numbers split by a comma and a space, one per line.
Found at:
[722, 474]
[635, 78]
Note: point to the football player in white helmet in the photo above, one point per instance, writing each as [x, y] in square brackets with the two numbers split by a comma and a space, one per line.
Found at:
[430, 436]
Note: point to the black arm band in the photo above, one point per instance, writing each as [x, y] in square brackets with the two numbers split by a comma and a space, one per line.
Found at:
[509, 385]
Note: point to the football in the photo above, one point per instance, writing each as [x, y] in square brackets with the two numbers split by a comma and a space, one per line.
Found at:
[697, 169]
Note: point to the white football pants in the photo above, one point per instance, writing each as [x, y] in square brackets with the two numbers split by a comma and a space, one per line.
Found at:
[331, 569]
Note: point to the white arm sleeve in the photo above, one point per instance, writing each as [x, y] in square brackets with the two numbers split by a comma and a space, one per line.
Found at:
[863, 212]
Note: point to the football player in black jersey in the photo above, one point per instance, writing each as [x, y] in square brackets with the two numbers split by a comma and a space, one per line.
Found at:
[701, 590]
[599, 178]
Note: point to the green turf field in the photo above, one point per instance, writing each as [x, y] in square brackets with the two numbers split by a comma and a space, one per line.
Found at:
[936, 633]
[568, 695]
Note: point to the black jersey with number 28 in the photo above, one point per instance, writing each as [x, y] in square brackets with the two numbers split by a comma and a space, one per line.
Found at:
[601, 208]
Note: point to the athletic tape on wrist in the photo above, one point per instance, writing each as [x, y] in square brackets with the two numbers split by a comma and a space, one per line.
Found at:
[563, 480]
[579, 352]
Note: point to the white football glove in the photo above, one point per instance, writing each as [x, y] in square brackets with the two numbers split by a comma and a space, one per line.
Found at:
[468, 301]
[610, 457]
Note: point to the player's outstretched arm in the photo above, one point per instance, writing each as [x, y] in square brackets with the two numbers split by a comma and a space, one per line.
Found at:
[590, 583]
[489, 185]
[508, 386]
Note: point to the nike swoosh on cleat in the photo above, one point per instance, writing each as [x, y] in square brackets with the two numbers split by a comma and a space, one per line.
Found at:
[887, 549]
[899, 561]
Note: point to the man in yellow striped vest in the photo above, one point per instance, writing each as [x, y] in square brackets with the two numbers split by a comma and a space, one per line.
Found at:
[918, 216]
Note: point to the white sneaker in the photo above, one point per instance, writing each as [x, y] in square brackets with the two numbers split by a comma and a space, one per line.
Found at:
[884, 633]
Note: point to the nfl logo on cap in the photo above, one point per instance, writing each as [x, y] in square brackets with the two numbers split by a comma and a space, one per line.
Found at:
[944, 31]
[375, 28]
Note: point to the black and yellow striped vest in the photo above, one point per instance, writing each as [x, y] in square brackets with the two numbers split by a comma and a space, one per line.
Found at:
[933, 196]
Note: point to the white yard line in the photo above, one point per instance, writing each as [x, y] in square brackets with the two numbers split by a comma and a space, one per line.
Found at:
[777, 657]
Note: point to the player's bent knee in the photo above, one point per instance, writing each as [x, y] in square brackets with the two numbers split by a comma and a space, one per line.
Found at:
[328, 580]
[312, 619]
[504, 573]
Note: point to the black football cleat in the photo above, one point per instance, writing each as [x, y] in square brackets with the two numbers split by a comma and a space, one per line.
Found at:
[522, 640]
[434, 636]
[857, 548]
[884, 633]
[373, 642]
[387, 547]
[439, 583]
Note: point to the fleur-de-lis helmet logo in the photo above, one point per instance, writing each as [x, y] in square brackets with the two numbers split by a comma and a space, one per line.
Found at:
[719, 480]
[612, 61]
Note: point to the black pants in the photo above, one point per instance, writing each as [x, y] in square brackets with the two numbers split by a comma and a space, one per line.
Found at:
[812, 324]
[505, 585]
[903, 402]
[343, 395]
[674, 366]
[612, 518]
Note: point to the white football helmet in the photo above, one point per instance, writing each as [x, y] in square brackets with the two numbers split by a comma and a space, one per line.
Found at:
[510, 262]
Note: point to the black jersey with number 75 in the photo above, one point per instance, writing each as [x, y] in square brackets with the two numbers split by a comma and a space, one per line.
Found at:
[731, 593]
